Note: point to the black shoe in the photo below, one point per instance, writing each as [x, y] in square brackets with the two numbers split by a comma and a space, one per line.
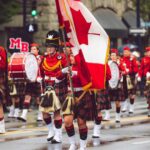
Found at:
[117, 121]
[94, 137]
[38, 120]
[130, 112]
[49, 139]
[53, 141]
[22, 119]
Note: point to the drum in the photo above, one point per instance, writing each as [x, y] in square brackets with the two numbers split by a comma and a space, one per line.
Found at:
[115, 75]
[23, 66]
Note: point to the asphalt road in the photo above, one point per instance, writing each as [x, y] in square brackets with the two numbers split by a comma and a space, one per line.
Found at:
[133, 133]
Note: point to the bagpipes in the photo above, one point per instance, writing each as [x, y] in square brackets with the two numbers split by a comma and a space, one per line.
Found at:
[128, 79]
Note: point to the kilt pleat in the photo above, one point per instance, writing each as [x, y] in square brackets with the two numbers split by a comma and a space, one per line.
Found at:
[116, 94]
[85, 108]
[33, 89]
[61, 90]
[103, 100]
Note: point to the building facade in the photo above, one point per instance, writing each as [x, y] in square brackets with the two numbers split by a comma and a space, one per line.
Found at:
[108, 12]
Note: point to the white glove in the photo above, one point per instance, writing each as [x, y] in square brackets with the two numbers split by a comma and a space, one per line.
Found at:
[39, 79]
[148, 75]
[127, 70]
[121, 80]
[74, 73]
[137, 75]
[57, 81]
[139, 79]
[65, 70]
[46, 77]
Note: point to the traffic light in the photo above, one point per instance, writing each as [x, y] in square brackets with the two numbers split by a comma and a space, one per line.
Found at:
[34, 12]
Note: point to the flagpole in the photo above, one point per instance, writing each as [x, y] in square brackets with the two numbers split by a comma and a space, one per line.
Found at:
[67, 57]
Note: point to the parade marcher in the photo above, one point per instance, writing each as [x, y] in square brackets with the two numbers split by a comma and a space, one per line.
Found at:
[103, 97]
[139, 88]
[55, 85]
[115, 88]
[3, 63]
[102, 103]
[80, 108]
[33, 89]
[129, 69]
[16, 91]
[144, 74]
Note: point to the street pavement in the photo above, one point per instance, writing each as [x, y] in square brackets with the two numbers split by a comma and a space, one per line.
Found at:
[133, 133]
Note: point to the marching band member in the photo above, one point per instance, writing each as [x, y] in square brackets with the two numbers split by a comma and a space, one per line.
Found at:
[33, 89]
[115, 88]
[129, 68]
[144, 73]
[2, 88]
[80, 108]
[56, 86]
[104, 97]
[102, 103]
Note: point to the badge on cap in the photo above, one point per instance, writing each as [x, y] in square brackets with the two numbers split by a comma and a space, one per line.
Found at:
[59, 57]
[50, 37]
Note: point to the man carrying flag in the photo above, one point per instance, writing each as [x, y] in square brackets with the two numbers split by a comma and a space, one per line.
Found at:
[90, 43]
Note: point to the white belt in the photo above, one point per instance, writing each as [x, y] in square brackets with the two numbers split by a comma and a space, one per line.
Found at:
[50, 78]
[53, 79]
[75, 89]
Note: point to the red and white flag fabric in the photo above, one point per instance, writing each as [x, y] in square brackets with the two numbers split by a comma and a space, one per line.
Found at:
[86, 35]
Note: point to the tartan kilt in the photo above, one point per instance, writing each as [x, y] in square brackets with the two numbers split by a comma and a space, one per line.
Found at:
[85, 108]
[2, 87]
[19, 86]
[127, 91]
[61, 90]
[116, 94]
[146, 89]
[103, 100]
[148, 95]
[2, 96]
[33, 89]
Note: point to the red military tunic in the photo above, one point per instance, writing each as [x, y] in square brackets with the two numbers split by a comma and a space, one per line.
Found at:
[3, 63]
[145, 66]
[52, 66]
[2, 59]
[128, 66]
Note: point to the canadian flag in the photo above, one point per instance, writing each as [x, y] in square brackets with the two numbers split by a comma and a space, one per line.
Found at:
[87, 36]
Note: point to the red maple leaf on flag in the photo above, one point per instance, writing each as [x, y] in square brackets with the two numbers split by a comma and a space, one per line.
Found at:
[67, 26]
[81, 26]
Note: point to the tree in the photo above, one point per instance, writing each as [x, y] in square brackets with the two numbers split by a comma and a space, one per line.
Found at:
[144, 8]
[8, 8]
